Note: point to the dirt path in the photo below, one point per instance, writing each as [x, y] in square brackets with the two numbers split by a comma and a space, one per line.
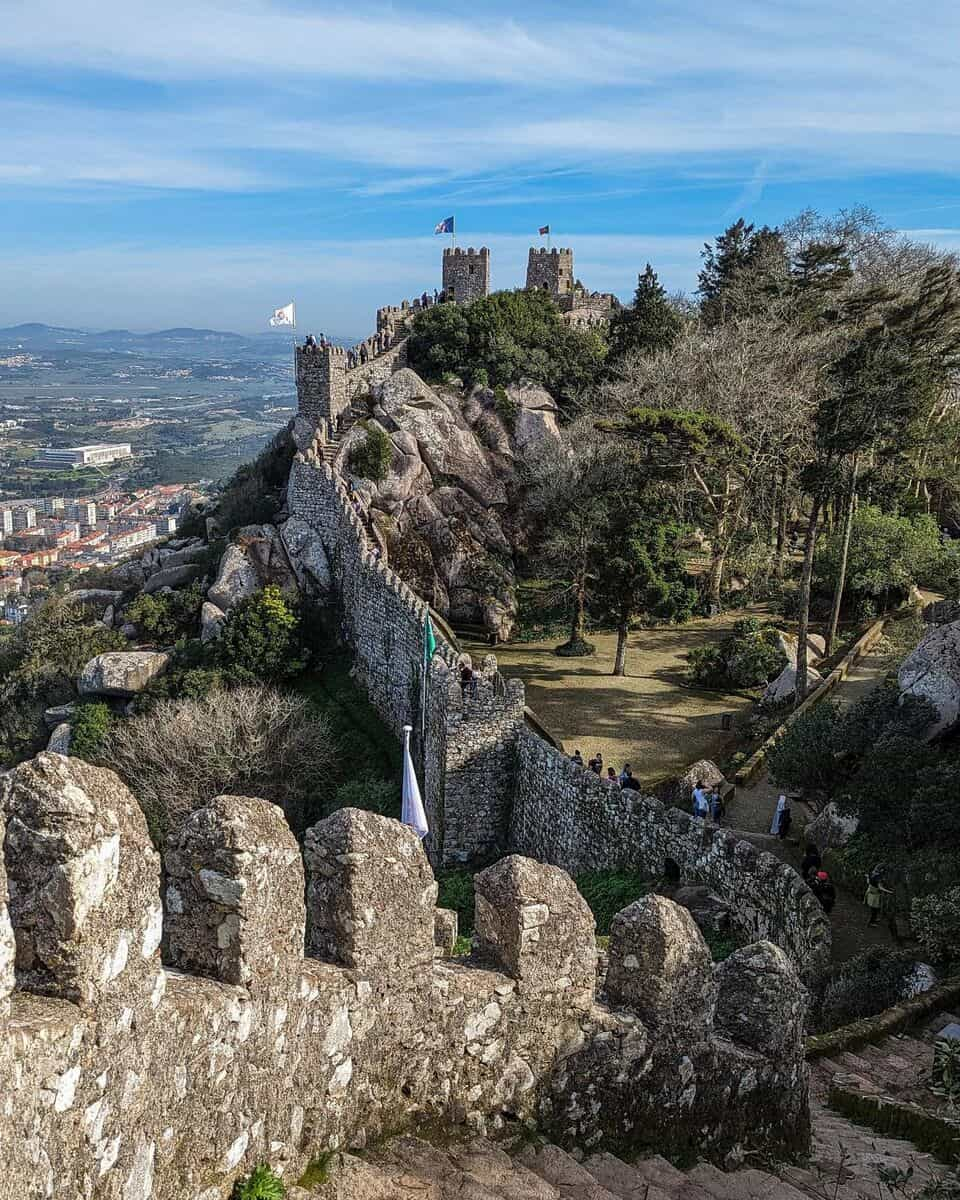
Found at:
[650, 717]
[753, 808]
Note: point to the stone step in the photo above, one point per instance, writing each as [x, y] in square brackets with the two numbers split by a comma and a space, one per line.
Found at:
[748, 1184]
[556, 1167]
[623, 1180]
[836, 1186]
[659, 1173]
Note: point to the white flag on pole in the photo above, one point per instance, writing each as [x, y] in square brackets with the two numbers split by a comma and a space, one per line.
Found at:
[412, 813]
[284, 316]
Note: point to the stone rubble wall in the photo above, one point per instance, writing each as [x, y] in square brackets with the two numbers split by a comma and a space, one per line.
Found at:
[466, 742]
[125, 1076]
[566, 815]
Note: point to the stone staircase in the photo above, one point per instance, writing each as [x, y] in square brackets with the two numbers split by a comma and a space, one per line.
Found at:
[843, 1166]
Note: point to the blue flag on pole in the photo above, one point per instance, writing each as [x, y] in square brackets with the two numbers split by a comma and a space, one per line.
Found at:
[444, 226]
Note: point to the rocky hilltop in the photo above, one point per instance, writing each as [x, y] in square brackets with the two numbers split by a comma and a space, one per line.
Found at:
[443, 513]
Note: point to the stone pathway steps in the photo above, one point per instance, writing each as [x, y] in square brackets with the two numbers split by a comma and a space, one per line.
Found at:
[843, 1166]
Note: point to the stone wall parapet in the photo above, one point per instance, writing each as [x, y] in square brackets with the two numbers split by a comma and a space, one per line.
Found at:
[245, 1047]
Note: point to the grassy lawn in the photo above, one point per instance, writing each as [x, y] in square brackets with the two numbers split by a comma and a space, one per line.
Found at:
[651, 717]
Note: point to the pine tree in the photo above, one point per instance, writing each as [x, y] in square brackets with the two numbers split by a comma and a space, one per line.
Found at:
[743, 272]
[650, 324]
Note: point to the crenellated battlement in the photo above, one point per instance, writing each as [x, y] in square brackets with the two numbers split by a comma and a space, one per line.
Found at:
[299, 1006]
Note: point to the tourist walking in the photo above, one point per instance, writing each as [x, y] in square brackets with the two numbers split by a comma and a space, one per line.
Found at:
[775, 823]
[596, 764]
[717, 811]
[825, 892]
[701, 801]
[578, 758]
[875, 894]
[810, 863]
[784, 822]
[627, 781]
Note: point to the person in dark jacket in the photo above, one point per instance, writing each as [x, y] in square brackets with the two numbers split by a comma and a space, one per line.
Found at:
[811, 862]
[783, 823]
[824, 891]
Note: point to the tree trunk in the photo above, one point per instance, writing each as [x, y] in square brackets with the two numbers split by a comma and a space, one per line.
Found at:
[717, 559]
[579, 623]
[803, 624]
[844, 555]
[620, 661]
[782, 505]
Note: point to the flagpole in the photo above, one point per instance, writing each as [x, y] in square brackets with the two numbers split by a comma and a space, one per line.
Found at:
[423, 698]
[453, 233]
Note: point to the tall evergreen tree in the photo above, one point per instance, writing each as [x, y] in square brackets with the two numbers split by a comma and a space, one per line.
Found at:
[743, 272]
[650, 324]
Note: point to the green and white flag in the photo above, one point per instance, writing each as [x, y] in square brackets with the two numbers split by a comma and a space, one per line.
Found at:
[429, 641]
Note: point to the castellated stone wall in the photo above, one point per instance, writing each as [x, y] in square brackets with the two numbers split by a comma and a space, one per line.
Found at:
[565, 814]
[550, 270]
[465, 741]
[491, 785]
[298, 1007]
[466, 274]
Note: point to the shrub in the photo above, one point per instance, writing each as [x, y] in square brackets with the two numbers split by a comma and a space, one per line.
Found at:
[260, 639]
[252, 496]
[455, 890]
[888, 553]
[607, 892]
[504, 338]
[749, 657]
[803, 758]
[863, 986]
[371, 458]
[260, 1184]
[368, 791]
[936, 923]
[252, 741]
[90, 725]
[167, 617]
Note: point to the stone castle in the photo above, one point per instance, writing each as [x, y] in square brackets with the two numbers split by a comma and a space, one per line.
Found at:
[167, 1022]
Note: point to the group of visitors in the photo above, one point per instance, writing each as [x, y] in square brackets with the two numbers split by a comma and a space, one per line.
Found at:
[624, 780]
[820, 883]
[707, 803]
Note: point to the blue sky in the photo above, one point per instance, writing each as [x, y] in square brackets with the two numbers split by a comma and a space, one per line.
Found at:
[190, 162]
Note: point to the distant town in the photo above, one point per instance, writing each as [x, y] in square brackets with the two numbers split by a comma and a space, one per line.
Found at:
[46, 538]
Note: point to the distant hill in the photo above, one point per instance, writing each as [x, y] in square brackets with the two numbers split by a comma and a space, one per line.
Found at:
[180, 342]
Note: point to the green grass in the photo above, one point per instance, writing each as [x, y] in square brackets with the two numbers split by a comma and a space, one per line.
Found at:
[607, 892]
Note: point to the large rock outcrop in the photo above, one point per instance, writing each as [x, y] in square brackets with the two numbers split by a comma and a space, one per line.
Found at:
[443, 512]
[931, 672]
[121, 672]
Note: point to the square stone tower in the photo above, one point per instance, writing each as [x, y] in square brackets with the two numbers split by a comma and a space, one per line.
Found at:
[321, 383]
[466, 274]
[551, 270]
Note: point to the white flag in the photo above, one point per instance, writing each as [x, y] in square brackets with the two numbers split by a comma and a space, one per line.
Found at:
[412, 813]
[284, 316]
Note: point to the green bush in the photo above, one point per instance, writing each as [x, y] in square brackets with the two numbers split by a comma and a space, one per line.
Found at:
[863, 986]
[90, 725]
[888, 553]
[260, 640]
[253, 494]
[368, 791]
[749, 657]
[371, 458]
[260, 1184]
[936, 923]
[455, 890]
[607, 892]
[167, 617]
[504, 338]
